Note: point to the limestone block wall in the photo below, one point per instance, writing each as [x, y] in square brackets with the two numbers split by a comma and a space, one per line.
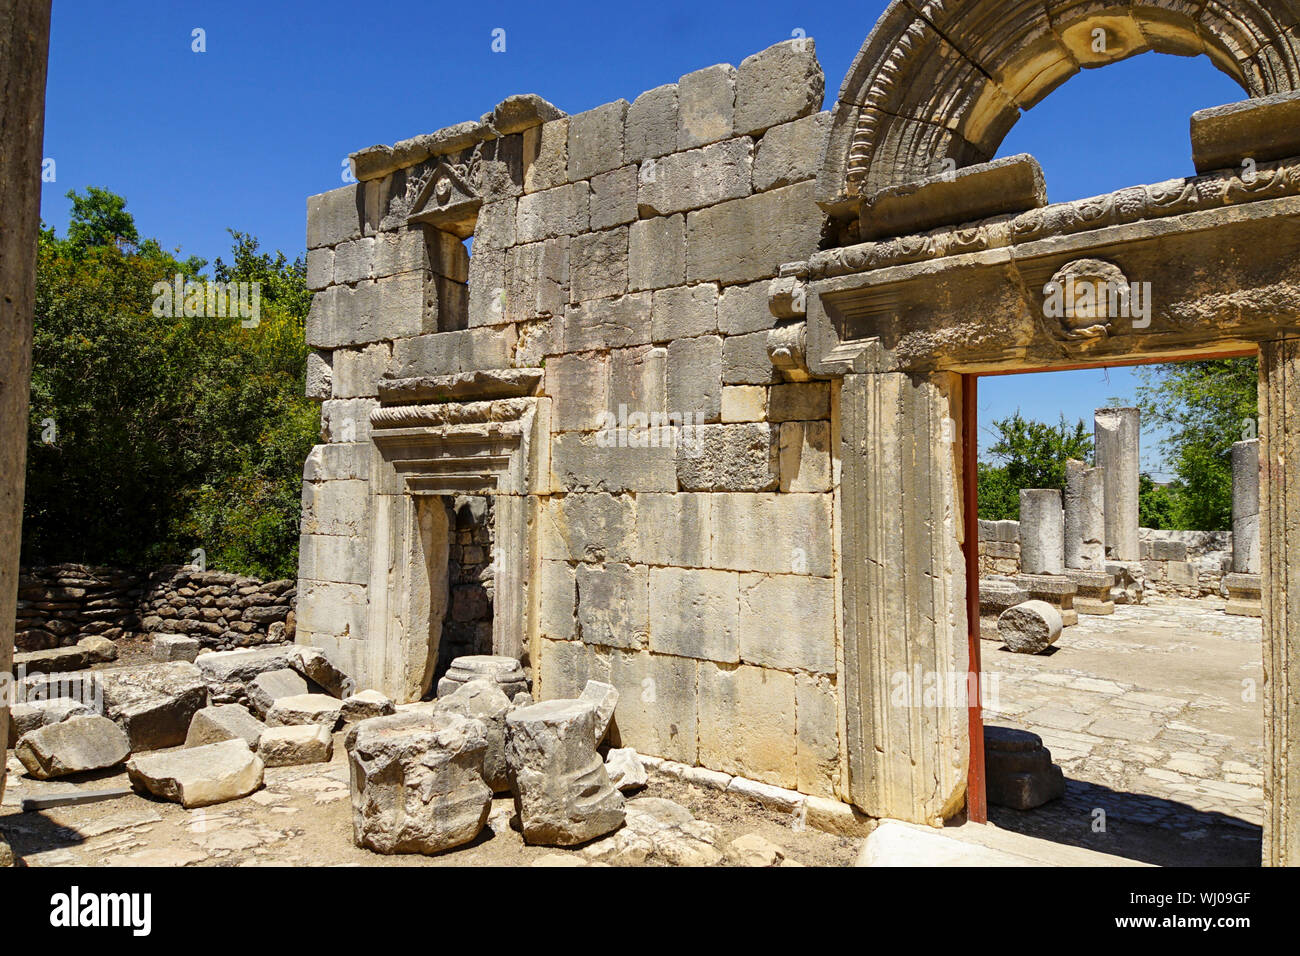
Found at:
[684, 543]
[1182, 563]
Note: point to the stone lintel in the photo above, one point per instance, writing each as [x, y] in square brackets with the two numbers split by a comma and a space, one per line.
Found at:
[512, 115]
[1005, 186]
[1261, 129]
[462, 387]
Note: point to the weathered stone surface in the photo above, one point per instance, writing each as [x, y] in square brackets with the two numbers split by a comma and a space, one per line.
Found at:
[696, 178]
[268, 687]
[1030, 627]
[1118, 436]
[747, 720]
[1010, 185]
[651, 126]
[748, 239]
[199, 776]
[778, 85]
[596, 140]
[835, 816]
[1042, 531]
[561, 788]
[613, 610]
[366, 704]
[551, 166]
[604, 698]
[1245, 506]
[614, 198]
[1261, 129]
[74, 745]
[659, 831]
[696, 614]
[789, 153]
[154, 703]
[657, 253]
[227, 672]
[626, 772]
[1085, 517]
[316, 665]
[684, 312]
[657, 707]
[754, 850]
[562, 211]
[175, 647]
[741, 457]
[694, 384]
[212, 725]
[305, 709]
[99, 649]
[598, 267]
[1019, 772]
[292, 746]
[416, 781]
[788, 622]
[506, 671]
[32, 715]
[481, 698]
[706, 104]
[804, 453]
[53, 660]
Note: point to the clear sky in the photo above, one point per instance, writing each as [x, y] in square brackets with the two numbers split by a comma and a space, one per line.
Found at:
[238, 136]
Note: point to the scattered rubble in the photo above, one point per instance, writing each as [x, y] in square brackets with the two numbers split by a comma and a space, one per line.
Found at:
[154, 703]
[482, 698]
[295, 745]
[506, 671]
[626, 772]
[24, 718]
[269, 686]
[366, 704]
[305, 709]
[175, 647]
[212, 725]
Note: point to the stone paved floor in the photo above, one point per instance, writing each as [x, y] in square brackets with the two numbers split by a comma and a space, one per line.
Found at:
[1155, 714]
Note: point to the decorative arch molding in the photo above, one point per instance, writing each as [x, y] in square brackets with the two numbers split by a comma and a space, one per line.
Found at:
[947, 80]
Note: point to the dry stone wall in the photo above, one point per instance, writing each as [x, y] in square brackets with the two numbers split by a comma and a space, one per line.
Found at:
[683, 543]
[60, 604]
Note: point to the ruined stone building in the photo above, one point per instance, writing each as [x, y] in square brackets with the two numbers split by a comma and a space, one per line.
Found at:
[693, 413]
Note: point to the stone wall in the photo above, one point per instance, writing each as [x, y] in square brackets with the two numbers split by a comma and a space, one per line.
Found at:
[627, 252]
[467, 628]
[1176, 563]
[60, 604]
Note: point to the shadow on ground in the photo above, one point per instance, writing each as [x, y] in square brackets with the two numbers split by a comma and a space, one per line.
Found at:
[1137, 826]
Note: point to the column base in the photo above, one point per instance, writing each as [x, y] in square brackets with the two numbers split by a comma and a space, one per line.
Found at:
[1018, 769]
[1245, 595]
[1056, 589]
[1093, 594]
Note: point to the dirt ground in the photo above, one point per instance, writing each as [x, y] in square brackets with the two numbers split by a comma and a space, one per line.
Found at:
[303, 817]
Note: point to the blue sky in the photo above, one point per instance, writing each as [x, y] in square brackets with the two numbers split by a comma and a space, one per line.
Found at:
[238, 136]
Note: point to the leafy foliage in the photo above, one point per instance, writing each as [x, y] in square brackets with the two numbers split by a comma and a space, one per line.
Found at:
[169, 433]
[1029, 454]
[1204, 407]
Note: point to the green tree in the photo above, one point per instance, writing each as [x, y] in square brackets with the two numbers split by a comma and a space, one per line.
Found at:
[154, 435]
[1027, 454]
[1203, 407]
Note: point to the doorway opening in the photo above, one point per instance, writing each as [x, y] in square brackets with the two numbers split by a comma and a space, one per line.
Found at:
[1113, 597]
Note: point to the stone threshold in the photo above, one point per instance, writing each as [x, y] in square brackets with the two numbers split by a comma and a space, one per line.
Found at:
[894, 843]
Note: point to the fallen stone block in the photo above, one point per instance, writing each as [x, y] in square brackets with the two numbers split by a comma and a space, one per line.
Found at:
[175, 647]
[292, 746]
[626, 772]
[55, 660]
[1030, 628]
[24, 718]
[366, 704]
[220, 722]
[155, 703]
[561, 788]
[269, 686]
[75, 745]
[482, 699]
[315, 665]
[506, 671]
[416, 782]
[229, 672]
[604, 697]
[305, 709]
[755, 851]
[198, 777]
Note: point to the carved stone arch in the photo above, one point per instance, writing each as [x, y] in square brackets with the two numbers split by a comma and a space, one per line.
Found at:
[947, 80]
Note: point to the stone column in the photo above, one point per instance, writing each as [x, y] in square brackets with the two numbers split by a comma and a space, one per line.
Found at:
[1085, 517]
[24, 48]
[1118, 439]
[904, 595]
[1279, 513]
[1042, 532]
[1245, 507]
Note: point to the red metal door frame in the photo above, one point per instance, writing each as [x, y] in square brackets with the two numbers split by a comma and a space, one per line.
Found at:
[976, 805]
